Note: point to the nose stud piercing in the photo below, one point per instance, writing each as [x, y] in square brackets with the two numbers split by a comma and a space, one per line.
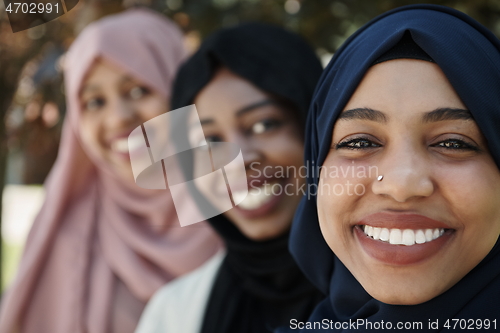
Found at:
[379, 178]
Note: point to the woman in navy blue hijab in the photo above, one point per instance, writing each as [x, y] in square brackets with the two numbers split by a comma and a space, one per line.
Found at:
[401, 223]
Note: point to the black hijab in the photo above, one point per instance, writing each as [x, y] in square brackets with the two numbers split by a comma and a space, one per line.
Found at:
[259, 286]
[469, 55]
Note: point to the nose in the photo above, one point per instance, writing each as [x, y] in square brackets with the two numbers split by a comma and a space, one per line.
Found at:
[251, 153]
[121, 113]
[406, 175]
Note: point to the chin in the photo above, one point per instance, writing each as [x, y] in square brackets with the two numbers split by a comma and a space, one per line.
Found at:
[260, 230]
[402, 296]
[258, 234]
[400, 299]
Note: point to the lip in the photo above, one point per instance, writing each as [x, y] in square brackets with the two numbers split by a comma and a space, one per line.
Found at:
[253, 182]
[401, 255]
[266, 208]
[119, 136]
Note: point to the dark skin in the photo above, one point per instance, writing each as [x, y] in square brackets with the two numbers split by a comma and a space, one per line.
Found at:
[231, 110]
[114, 103]
[406, 119]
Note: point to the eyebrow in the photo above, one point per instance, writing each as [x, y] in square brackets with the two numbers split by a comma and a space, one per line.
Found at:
[89, 88]
[254, 106]
[439, 114]
[243, 110]
[363, 114]
[443, 114]
[128, 79]
[124, 80]
[206, 121]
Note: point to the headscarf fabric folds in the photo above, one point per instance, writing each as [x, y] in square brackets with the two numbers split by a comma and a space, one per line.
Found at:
[469, 55]
[258, 286]
[100, 247]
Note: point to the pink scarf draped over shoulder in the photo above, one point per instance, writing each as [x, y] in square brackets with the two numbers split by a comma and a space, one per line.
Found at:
[100, 247]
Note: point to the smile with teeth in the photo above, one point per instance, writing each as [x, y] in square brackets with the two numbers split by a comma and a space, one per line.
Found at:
[402, 236]
[257, 196]
[124, 145]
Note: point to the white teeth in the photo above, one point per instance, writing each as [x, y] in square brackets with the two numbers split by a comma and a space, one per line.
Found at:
[384, 234]
[395, 237]
[428, 235]
[435, 234]
[406, 237]
[420, 237]
[256, 196]
[125, 145]
[136, 141]
[239, 196]
[120, 145]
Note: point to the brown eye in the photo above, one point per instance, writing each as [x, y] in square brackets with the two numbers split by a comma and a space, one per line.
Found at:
[357, 143]
[265, 125]
[94, 104]
[213, 138]
[138, 92]
[209, 139]
[455, 144]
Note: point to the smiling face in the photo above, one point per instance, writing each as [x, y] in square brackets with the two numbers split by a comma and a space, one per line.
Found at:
[113, 103]
[435, 214]
[233, 110]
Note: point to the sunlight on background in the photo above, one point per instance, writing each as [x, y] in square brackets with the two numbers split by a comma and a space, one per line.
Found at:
[21, 203]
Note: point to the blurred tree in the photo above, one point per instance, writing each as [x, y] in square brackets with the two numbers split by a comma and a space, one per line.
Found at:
[325, 23]
[21, 55]
[33, 120]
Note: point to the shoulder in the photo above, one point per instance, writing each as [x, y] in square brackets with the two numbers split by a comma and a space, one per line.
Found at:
[179, 306]
[198, 278]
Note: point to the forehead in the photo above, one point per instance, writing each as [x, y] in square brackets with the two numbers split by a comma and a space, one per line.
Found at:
[103, 68]
[396, 86]
[103, 73]
[225, 94]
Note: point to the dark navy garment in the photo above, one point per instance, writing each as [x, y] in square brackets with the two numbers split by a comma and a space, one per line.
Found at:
[469, 56]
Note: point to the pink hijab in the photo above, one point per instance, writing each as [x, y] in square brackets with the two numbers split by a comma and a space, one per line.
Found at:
[100, 247]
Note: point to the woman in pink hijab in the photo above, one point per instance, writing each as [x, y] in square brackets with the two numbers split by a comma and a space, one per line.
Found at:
[101, 246]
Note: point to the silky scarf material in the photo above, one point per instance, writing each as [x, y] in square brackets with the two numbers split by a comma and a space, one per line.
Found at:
[469, 55]
[100, 247]
[258, 286]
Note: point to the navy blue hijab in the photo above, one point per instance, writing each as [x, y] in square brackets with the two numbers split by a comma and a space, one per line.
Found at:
[469, 55]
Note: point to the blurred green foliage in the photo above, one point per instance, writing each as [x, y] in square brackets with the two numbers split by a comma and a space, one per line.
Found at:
[325, 23]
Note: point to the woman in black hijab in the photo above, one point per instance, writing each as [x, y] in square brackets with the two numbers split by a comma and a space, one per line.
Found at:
[252, 85]
[411, 104]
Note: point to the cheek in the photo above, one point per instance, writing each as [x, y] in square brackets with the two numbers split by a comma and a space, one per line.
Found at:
[210, 184]
[90, 133]
[473, 191]
[342, 185]
[344, 182]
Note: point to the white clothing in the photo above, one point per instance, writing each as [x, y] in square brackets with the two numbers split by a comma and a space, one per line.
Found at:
[179, 306]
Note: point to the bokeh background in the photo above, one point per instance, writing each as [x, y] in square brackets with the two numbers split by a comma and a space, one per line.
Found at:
[32, 100]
